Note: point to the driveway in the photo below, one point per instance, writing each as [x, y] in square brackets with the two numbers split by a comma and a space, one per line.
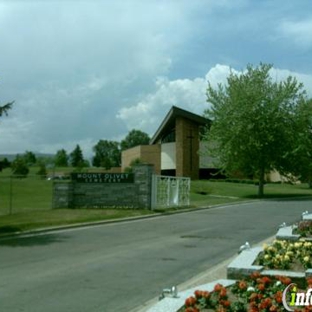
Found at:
[117, 267]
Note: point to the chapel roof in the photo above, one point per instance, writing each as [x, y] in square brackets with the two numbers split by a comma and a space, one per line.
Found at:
[169, 122]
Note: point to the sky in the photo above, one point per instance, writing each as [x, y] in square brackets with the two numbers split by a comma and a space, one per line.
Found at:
[82, 71]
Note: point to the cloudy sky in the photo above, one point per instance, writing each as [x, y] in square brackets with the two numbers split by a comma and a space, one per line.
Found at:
[81, 71]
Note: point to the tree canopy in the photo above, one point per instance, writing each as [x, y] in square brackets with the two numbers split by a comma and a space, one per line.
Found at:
[107, 154]
[256, 123]
[134, 138]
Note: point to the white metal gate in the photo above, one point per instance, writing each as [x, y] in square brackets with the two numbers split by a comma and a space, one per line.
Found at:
[170, 191]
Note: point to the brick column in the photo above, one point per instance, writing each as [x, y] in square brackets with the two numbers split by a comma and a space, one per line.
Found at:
[187, 147]
[143, 178]
[62, 195]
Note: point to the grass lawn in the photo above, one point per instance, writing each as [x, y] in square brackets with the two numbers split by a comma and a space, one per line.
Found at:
[25, 204]
[211, 193]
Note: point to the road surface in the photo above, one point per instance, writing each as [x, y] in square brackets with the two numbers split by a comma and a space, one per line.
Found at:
[117, 267]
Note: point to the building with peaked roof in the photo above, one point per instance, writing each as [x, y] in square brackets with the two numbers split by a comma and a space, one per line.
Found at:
[174, 148]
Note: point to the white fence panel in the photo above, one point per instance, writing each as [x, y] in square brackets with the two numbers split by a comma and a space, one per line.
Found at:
[170, 191]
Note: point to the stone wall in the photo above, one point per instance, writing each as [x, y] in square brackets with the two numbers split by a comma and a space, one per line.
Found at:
[75, 194]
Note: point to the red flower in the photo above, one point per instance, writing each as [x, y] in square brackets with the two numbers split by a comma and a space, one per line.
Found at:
[190, 301]
[206, 294]
[266, 280]
[225, 303]
[266, 303]
[222, 293]
[255, 275]
[218, 287]
[198, 294]
[191, 309]
[278, 297]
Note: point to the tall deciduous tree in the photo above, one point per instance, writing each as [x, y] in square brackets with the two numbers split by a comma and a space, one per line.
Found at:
[134, 138]
[302, 155]
[255, 122]
[107, 154]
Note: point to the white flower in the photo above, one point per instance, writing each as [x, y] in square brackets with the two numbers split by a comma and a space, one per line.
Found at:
[250, 288]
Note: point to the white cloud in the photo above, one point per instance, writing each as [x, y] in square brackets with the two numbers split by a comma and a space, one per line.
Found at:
[72, 66]
[298, 32]
[188, 94]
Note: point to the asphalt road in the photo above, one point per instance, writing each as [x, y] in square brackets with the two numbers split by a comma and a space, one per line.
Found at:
[117, 267]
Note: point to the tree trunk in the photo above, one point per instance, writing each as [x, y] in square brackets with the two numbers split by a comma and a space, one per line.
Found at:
[261, 183]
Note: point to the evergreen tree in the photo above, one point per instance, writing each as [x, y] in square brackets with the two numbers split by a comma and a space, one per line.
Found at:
[76, 157]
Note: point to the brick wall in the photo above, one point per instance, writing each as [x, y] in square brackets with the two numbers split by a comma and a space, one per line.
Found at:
[148, 154]
[187, 147]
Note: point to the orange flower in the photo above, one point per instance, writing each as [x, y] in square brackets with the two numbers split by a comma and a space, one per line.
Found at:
[253, 297]
[261, 287]
[273, 308]
[242, 285]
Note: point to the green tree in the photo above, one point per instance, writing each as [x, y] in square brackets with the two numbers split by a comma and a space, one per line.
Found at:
[30, 158]
[134, 138]
[76, 157]
[107, 154]
[42, 172]
[5, 108]
[302, 155]
[255, 123]
[4, 163]
[19, 167]
[61, 158]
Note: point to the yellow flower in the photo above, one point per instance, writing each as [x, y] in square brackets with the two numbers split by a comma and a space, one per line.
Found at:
[289, 253]
[286, 258]
[306, 259]
[267, 257]
[298, 244]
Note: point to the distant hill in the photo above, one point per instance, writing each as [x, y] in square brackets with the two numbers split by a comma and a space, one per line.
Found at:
[11, 157]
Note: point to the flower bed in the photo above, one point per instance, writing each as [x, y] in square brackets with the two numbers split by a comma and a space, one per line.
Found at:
[254, 294]
[304, 229]
[286, 255]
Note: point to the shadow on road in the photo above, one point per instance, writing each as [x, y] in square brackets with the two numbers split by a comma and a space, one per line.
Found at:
[36, 240]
